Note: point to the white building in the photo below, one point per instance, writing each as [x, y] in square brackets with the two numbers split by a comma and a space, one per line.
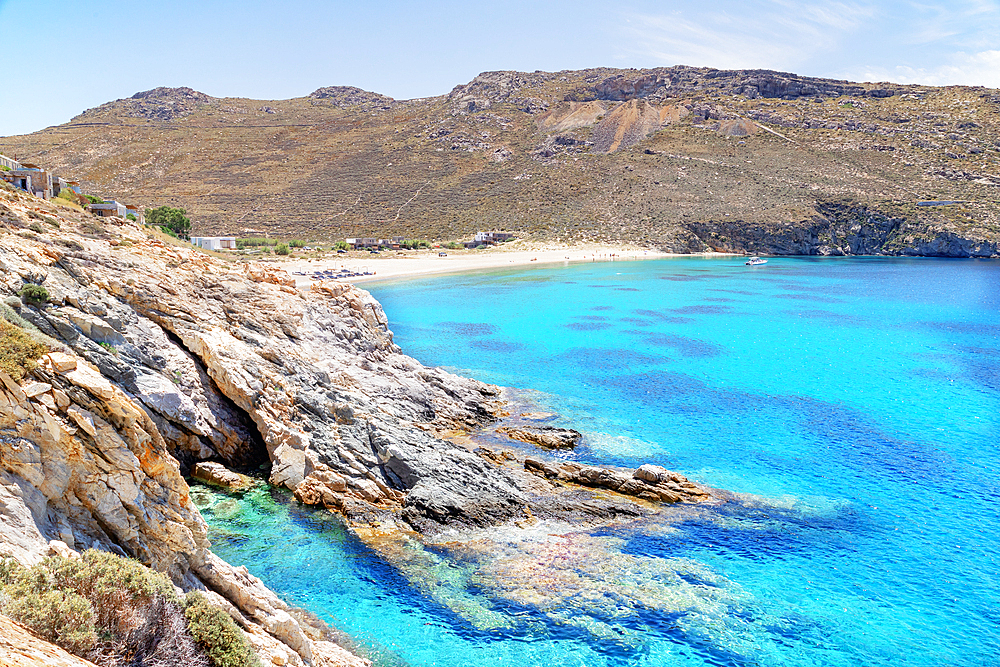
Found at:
[214, 242]
[9, 163]
[108, 209]
[492, 237]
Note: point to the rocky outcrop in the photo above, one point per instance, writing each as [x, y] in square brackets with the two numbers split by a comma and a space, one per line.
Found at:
[87, 438]
[157, 104]
[20, 648]
[664, 82]
[550, 437]
[649, 482]
[210, 472]
[845, 229]
[491, 88]
[346, 97]
[90, 469]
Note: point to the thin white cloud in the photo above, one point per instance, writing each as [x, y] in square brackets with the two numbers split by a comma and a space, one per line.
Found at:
[775, 34]
[934, 43]
[969, 69]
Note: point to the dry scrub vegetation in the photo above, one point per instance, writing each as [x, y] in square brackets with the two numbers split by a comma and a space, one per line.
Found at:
[116, 612]
[696, 152]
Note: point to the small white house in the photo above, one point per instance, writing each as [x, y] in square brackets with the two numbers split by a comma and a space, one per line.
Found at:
[493, 237]
[108, 209]
[214, 242]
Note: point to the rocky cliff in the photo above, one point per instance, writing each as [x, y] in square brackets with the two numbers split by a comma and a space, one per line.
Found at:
[156, 357]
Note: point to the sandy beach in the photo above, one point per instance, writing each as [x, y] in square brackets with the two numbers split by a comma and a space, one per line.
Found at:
[390, 265]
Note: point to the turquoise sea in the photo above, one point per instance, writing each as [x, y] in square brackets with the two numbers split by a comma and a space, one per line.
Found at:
[856, 399]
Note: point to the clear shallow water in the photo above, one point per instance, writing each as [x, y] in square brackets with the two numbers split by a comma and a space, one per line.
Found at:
[860, 397]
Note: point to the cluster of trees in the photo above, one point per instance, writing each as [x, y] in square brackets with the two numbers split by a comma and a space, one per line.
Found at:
[173, 221]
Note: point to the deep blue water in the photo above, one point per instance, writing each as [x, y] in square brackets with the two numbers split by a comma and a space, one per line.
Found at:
[859, 398]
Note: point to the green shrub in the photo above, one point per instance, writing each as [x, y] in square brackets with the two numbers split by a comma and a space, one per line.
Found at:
[93, 200]
[112, 610]
[116, 586]
[255, 241]
[174, 219]
[61, 617]
[131, 216]
[10, 569]
[70, 243]
[297, 243]
[217, 634]
[35, 294]
[8, 313]
[341, 245]
[282, 249]
[19, 352]
[35, 227]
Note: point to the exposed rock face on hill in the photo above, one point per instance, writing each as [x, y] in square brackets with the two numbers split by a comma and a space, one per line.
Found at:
[626, 126]
[845, 230]
[349, 96]
[665, 82]
[157, 104]
[571, 155]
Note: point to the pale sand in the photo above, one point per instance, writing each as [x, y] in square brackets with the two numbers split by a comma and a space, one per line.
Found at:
[389, 265]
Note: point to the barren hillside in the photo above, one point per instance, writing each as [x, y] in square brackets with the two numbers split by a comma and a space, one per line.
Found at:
[682, 158]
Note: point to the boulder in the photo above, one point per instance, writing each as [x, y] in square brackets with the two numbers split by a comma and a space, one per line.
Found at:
[217, 474]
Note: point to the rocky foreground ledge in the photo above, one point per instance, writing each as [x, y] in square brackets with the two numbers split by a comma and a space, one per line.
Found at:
[162, 359]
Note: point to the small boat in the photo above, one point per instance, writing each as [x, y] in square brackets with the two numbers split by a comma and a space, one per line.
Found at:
[756, 261]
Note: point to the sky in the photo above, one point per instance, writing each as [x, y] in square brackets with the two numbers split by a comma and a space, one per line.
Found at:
[62, 56]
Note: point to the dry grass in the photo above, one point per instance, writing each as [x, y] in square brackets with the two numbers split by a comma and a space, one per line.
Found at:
[19, 351]
[427, 168]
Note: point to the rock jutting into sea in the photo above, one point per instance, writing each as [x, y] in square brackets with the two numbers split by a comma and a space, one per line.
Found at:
[164, 361]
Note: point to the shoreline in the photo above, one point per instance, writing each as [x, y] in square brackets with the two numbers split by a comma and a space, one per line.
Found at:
[422, 263]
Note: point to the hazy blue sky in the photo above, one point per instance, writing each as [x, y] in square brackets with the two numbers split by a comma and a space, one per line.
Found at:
[63, 57]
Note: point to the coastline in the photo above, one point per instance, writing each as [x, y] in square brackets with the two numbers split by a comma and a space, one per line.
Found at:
[421, 263]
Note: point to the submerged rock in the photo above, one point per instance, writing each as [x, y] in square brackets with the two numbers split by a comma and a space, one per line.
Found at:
[219, 475]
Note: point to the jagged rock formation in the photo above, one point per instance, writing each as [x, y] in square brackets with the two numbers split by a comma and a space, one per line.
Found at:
[166, 361]
[649, 482]
[840, 229]
[86, 442]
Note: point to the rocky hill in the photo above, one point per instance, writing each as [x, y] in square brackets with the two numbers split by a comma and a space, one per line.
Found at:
[683, 158]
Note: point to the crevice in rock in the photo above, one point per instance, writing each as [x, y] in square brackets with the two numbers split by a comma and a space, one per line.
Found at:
[254, 450]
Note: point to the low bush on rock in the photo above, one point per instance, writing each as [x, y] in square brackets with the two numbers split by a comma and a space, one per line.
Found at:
[34, 294]
[217, 633]
[113, 611]
[19, 351]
